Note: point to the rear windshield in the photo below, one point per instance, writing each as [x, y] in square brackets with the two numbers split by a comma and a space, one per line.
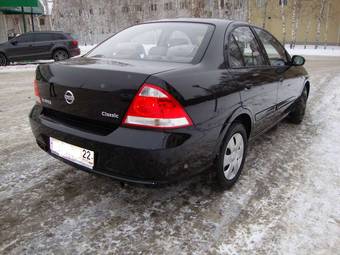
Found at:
[170, 42]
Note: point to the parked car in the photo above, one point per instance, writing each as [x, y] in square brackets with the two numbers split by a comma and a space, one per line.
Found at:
[38, 46]
[164, 100]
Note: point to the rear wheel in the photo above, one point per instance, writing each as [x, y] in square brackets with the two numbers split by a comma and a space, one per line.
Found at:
[60, 55]
[231, 158]
[299, 108]
[3, 60]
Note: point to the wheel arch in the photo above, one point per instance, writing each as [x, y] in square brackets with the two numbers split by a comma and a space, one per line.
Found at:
[6, 57]
[241, 115]
[307, 86]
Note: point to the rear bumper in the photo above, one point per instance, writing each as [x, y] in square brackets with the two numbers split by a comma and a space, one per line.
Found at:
[140, 156]
[74, 52]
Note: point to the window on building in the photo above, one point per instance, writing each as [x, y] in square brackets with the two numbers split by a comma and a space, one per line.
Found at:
[138, 8]
[91, 11]
[283, 2]
[42, 21]
[153, 7]
[168, 6]
[80, 12]
[183, 4]
[125, 9]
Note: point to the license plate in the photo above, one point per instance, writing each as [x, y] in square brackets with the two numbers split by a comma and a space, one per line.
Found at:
[72, 153]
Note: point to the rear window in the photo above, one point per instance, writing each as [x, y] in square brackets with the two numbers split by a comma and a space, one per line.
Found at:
[42, 37]
[59, 37]
[170, 42]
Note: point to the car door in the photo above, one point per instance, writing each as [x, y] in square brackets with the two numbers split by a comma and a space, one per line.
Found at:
[43, 43]
[279, 61]
[20, 48]
[252, 73]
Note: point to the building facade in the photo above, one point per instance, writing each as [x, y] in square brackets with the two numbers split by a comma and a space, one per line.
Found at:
[315, 22]
[91, 21]
[15, 20]
[12, 25]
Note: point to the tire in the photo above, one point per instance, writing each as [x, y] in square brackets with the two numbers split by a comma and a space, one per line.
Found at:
[59, 55]
[3, 60]
[232, 156]
[299, 108]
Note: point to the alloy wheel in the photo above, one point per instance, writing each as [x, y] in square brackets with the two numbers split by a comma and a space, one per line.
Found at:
[60, 55]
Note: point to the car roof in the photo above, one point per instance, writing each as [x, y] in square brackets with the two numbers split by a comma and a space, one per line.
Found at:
[44, 32]
[216, 22]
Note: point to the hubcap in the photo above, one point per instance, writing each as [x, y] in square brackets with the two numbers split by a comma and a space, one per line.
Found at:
[60, 55]
[233, 156]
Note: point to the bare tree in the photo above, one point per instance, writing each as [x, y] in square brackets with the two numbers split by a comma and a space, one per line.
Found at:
[264, 17]
[307, 30]
[283, 19]
[319, 21]
[46, 4]
[249, 11]
[297, 6]
[327, 23]
[197, 8]
[220, 8]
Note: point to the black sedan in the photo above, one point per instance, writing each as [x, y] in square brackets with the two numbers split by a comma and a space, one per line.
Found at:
[164, 100]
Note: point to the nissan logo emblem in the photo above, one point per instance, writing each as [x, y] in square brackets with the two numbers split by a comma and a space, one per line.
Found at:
[69, 97]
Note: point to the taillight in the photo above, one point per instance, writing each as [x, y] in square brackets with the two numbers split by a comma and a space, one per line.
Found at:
[155, 108]
[36, 92]
[74, 43]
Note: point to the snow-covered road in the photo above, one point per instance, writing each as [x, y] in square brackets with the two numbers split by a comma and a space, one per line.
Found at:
[286, 202]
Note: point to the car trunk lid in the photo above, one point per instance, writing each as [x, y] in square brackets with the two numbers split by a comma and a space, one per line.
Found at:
[94, 89]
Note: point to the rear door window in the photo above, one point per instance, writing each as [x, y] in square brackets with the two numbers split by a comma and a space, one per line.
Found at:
[275, 51]
[235, 55]
[242, 41]
[42, 37]
[58, 37]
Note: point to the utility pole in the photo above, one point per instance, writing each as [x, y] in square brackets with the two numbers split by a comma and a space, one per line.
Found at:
[32, 19]
[23, 18]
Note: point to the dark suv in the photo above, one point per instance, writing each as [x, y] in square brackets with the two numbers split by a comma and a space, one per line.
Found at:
[38, 46]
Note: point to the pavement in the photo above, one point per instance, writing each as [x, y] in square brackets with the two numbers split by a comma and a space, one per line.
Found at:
[287, 200]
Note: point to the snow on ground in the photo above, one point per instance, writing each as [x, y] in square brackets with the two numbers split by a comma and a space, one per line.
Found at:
[84, 49]
[287, 200]
[332, 51]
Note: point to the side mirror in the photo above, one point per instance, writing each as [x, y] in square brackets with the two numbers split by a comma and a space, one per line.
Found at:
[298, 60]
[14, 42]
